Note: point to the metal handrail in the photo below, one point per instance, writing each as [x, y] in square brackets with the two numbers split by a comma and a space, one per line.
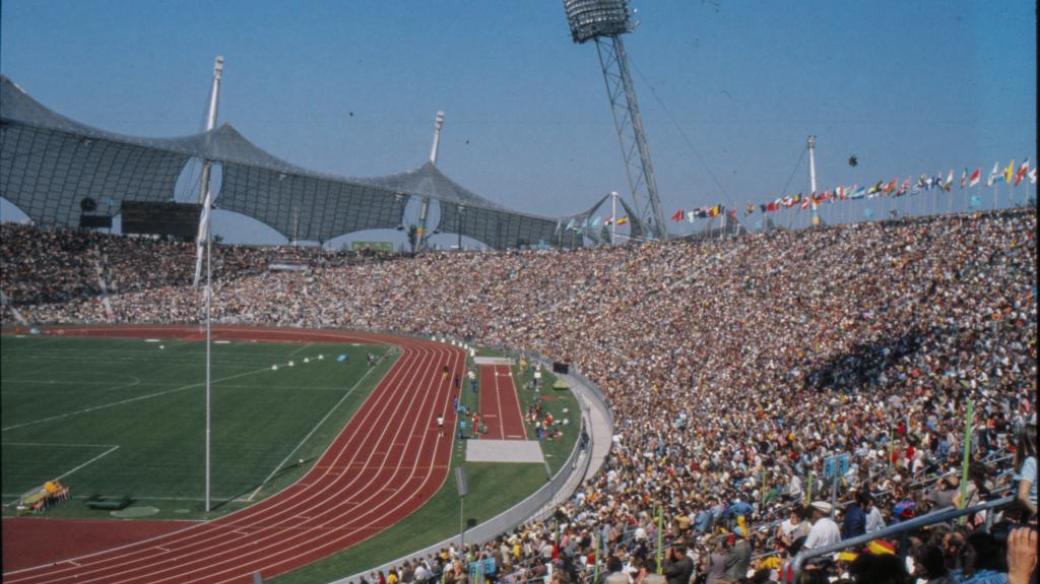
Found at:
[932, 518]
[997, 489]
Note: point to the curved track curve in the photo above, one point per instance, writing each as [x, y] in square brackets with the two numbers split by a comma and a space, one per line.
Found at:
[385, 464]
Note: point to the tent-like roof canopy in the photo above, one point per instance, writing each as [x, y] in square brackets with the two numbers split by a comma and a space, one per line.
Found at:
[49, 163]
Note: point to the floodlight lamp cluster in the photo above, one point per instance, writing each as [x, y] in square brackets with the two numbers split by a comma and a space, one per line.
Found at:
[589, 19]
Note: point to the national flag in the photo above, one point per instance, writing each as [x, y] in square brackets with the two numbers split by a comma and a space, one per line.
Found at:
[691, 215]
[764, 207]
[892, 186]
[964, 178]
[773, 206]
[1032, 176]
[797, 198]
[904, 188]
[975, 177]
[939, 182]
[678, 215]
[994, 175]
[714, 211]
[949, 181]
[876, 188]
[622, 220]
[749, 209]
[608, 220]
[805, 204]
[1022, 171]
[1009, 172]
[858, 193]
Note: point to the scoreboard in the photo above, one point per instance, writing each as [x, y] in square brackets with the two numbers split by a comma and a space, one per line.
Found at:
[180, 220]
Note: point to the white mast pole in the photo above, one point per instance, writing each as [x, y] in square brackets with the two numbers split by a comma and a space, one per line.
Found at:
[211, 122]
[204, 191]
[438, 123]
[812, 177]
[424, 205]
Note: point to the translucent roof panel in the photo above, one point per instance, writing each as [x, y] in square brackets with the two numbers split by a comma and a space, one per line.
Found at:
[51, 162]
[308, 208]
[496, 229]
[47, 173]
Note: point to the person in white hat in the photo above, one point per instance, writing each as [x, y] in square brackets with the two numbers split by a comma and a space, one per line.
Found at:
[824, 530]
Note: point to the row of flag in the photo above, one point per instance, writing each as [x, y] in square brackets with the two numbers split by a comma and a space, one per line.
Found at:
[596, 221]
[893, 188]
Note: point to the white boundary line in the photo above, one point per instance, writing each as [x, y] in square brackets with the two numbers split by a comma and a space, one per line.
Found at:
[105, 453]
[519, 407]
[309, 434]
[111, 448]
[128, 400]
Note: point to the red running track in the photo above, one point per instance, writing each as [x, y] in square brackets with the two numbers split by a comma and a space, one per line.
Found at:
[385, 464]
[500, 405]
[30, 541]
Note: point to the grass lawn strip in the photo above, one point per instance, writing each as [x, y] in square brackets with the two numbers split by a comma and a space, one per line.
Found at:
[493, 487]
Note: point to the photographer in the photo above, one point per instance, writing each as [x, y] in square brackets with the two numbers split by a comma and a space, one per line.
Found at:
[678, 567]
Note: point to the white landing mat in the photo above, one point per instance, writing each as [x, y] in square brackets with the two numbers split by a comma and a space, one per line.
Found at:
[493, 361]
[503, 451]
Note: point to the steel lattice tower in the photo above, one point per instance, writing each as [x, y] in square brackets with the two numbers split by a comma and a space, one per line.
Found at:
[604, 21]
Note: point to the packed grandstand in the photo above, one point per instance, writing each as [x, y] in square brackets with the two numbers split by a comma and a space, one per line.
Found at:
[737, 380]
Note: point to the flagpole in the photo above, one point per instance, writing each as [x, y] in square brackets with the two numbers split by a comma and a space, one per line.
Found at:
[209, 345]
[207, 196]
[613, 218]
[812, 172]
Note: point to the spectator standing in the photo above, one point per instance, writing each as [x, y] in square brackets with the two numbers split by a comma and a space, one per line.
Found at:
[824, 530]
[1025, 463]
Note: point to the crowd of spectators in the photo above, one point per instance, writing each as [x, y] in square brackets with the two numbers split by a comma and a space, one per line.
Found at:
[737, 369]
[60, 265]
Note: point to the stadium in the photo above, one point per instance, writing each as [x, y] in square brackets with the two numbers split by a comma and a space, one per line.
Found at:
[783, 388]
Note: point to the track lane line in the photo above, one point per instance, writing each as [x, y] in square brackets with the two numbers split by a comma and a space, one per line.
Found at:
[430, 469]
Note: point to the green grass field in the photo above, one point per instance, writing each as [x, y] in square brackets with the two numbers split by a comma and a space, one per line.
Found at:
[561, 404]
[130, 417]
[124, 417]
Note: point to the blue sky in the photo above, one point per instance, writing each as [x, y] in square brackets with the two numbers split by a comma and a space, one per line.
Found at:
[352, 87]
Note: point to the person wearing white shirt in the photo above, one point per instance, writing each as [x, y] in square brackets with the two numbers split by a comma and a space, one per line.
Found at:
[824, 530]
[874, 519]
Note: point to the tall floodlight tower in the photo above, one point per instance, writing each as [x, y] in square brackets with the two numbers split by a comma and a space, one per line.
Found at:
[604, 21]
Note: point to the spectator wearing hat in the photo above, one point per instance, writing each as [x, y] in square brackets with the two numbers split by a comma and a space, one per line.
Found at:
[824, 530]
